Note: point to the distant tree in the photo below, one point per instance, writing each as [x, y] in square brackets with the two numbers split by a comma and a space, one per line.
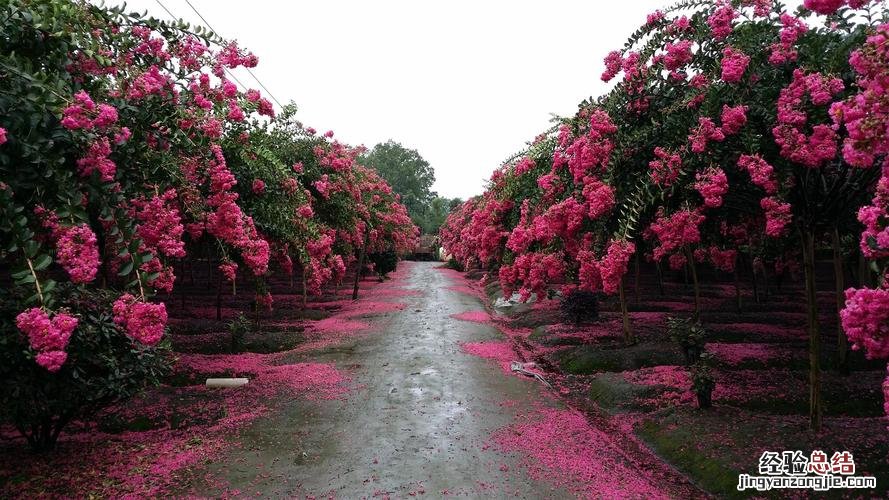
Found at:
[437, 212]
[408, 173]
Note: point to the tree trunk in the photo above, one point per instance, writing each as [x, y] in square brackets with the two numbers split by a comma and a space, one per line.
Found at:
[660, 278]
[625, 315]
[219, 298]
[361, 257]
[689, 256]
[305, 288]
[738, 290]
[636, 282]
[753, 277]
[842, 361]
[808, 241]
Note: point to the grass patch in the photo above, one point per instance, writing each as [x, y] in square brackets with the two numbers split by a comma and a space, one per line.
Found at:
[588, 359]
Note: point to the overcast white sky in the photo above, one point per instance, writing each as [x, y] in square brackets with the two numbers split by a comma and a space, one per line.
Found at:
[466, 83]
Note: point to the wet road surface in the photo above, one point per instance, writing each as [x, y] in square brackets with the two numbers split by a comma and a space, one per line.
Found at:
[417, 424]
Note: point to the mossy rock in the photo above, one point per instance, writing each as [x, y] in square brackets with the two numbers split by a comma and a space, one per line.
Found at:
[588, 359]
[680, 445]
[615, 395]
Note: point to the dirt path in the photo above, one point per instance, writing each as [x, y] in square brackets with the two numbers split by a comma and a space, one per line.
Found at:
[419, 423]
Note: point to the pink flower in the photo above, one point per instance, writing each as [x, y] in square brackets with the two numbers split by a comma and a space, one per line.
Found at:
[52, 361]
[706, 132]
[678, 54]
[143, 322]
[613, 63]
[160, 226]
[676, 230]
[824, 6]
[734, 64]
[614, 265]
[720, 21]
[77, 251]
[712, 184]
[305, 211]
[96, 160]
[724, 260]
[761, 173]
[733, 119]
[2, 136]
[654, 17]
[258, 186]
[229, 269]
[778, 216]
[599, 197]
[666, 168]
[290, 185]
[47, 336]
[865, 320]
[785, 51]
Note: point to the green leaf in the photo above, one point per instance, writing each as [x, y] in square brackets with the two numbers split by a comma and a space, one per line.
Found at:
[125, 269]
[41, 262]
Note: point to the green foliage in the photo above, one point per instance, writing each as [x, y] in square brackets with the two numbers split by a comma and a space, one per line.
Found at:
[689, 335]
[411, 177]
[702, 379]
[103, 366]
[580, 306]
[239, 328]
[384, 262]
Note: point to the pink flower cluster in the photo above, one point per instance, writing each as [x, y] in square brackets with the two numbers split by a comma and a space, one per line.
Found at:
[761, 173]
[599, 197]
[613, 63]
[258, 187]
[591, 151]
[724, 260]
[733, 119]
[613, 266]
[160, 226]
[712, 184]
[778, 215]
[865, 320]
[792, 29]
[96, 160]
[819, 147]
[678, 54]
[531, 272]
[78, 252]
[49, 337]
[706, 132]
[143, 322]
[228, 222]
[665, 169]
[676, 230]
[84, 114]
[734, 64]
[866, 114]
[720, 21]
[2, 136]
[828, 7]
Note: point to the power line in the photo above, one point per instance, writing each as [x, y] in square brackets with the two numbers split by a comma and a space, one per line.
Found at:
[267, 91]
[227, 72]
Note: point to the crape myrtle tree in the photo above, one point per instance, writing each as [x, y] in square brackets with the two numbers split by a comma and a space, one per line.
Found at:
[125, 151]
[735, 128]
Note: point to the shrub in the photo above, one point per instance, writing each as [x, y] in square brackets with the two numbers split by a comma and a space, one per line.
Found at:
[103, 366]
[384, 262]
[580, 306]
[702, 380]
[690, 336]
[239, 327]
